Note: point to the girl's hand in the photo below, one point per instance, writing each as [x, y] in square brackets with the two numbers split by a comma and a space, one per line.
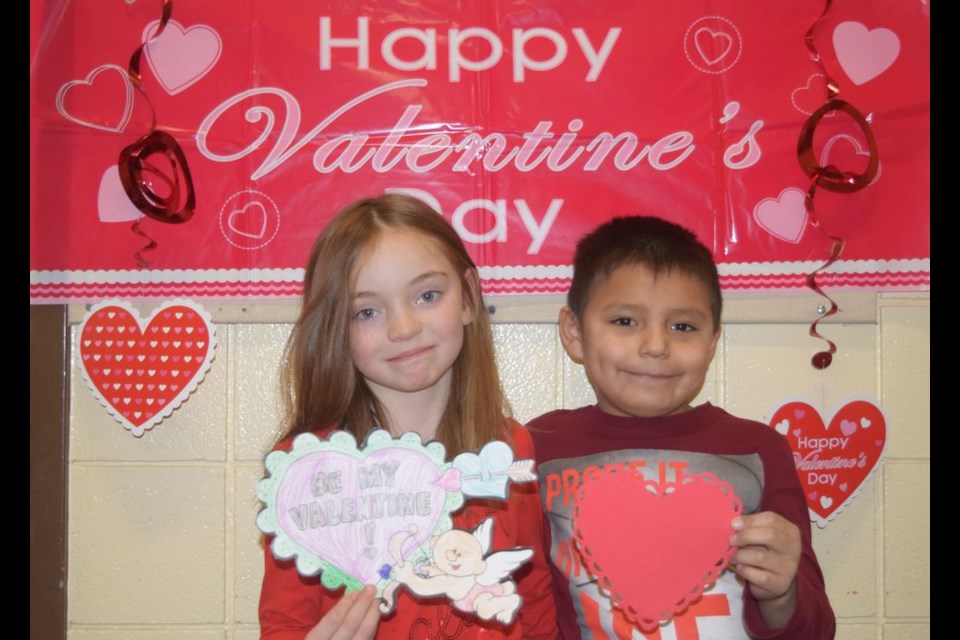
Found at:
[767, 558]
[355, 617]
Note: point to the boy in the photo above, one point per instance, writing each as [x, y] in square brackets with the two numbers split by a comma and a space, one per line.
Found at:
[643, 318]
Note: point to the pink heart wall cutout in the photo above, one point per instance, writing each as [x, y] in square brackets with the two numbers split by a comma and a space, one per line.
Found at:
[141, 371]
[785, 216]
[833, 458]
[654, 547]
[180, 57]
[864, 54]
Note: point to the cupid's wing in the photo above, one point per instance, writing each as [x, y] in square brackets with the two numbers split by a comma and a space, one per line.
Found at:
[502, 563]
[484, 534]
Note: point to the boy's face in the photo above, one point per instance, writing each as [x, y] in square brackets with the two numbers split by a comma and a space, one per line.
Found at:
[646, 342]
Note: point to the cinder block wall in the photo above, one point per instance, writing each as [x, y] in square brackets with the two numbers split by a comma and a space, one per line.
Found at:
[162, 542]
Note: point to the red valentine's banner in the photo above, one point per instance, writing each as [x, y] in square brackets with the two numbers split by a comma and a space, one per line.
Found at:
[196, 147]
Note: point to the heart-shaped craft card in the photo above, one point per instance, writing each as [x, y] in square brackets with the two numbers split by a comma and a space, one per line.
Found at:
[335, 508]
[141, 370]
[835, 457]
[654, 547]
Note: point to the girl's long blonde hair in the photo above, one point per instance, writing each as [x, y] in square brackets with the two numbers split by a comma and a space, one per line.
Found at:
[322, 387]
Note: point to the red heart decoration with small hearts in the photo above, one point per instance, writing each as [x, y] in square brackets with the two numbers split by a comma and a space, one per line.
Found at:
[654, 547]
[835, 458]
[142, 371]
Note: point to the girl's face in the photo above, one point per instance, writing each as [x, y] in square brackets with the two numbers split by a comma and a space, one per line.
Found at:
[408, 313]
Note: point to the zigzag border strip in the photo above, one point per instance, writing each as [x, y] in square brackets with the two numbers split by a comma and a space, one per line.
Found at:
[66, 287]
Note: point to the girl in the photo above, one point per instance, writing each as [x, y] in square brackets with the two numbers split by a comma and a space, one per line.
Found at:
[393, 333]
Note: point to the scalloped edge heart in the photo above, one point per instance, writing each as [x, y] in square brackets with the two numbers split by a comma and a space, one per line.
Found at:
[824, 513]
[308, 563]
[187, 389]
[630, 484]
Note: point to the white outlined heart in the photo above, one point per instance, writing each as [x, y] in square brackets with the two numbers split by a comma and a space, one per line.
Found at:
[239, 215]
[864, 54]
[88, 83]
[784, 216]
[857, 149]
[713, 36]
[810, 97]
[712, 44]
[180, 57]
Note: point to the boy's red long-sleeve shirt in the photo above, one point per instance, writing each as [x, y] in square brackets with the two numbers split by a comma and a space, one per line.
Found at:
[751, 457]
[291, 605]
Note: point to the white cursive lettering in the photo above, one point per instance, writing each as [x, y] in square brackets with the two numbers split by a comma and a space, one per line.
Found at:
[422, 152]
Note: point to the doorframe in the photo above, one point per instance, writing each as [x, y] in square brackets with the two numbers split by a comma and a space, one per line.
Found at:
[49, 414]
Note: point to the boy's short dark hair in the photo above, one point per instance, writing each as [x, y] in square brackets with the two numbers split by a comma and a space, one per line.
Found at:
[653, 242]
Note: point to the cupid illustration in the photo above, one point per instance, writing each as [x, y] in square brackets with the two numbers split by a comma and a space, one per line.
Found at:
[461, 569]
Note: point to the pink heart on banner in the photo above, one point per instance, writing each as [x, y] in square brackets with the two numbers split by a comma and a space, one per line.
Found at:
[835, 458]
[180, 57]
[654, 547]
[113, 203]
[863, 53]
[142, 370]
[784, 216]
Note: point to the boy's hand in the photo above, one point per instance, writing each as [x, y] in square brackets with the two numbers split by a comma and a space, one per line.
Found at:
[355, 616]
[767, 558]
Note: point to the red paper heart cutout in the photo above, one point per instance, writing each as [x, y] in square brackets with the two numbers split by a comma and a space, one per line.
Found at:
[654, 547]
[835, 459]
[142, 371]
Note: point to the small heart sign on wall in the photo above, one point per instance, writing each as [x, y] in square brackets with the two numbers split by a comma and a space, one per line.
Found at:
[141, 370]
[833, 457]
